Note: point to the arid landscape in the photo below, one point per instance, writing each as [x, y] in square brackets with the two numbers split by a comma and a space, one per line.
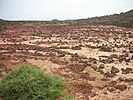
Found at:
[95, 61]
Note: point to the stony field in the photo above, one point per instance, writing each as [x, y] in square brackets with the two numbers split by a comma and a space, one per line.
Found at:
[96, 62]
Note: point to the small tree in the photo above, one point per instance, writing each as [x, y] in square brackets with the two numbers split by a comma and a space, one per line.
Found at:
[30, 83]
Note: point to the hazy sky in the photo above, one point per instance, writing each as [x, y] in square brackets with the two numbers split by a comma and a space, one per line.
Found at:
[60, 9]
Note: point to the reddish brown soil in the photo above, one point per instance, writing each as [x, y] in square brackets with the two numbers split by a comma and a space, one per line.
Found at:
[82, 55]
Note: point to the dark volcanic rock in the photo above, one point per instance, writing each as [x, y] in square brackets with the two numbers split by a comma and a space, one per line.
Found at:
[106, 59]
[100, 70]
[110, 60]
[121, 79]
[114, 56]
[94, 67]
[127, 59]
[61, 55]
[128, 80]
[85, 75]
[105, 79]
[84, 87]
[132, 57]
[108, 74]
[127, 70]
[111, 89]
[76, 47]
[123, 56]
[76, 67]
[113, 86]
[121, 87]
[92, 59]
[105, 48]
[114, 70]
[131, 50]
[101, 66]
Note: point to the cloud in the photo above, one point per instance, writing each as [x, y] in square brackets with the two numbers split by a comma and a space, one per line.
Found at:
[60, 9]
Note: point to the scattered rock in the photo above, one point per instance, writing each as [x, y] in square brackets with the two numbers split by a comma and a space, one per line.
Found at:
[82, 61]
[85, 75]
[108, 74]
[110, 60]
[105, 48]
[114, 70]
[121, 79]
[101, 66]
[128, 80]
[132, 57]
[76, 67]
[100, 70]
[92, 59]
[89, 64]
[93, 67]
[74, 55]
[121, 87]
[114, 55]
[95, 62]
[85, 64]
[127, 59]
[111, 89]
[131, 50]
[123, 56]
[76, 47]
[61, 55]
[106, 60]
[92, 94]
[104, 79]
[105, 92]
[126, 71]
[84, 87]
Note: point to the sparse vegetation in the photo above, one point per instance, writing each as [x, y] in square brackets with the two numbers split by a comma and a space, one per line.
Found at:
[122, 19]
[93, 56]
[55, 21]
[30, 83]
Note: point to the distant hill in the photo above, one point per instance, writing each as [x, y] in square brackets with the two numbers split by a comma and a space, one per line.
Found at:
[1, 20]
[122, 19]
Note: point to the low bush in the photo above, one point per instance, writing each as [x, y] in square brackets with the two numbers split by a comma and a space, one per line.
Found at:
[30, 83]
[55, 21]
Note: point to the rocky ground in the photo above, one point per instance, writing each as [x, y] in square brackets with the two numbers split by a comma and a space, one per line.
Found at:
[95, 61]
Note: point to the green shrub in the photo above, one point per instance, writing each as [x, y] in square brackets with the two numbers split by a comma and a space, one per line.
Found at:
[30, 83]
[55, 21]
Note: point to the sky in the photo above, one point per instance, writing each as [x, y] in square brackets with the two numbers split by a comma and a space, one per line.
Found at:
[60, 9]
